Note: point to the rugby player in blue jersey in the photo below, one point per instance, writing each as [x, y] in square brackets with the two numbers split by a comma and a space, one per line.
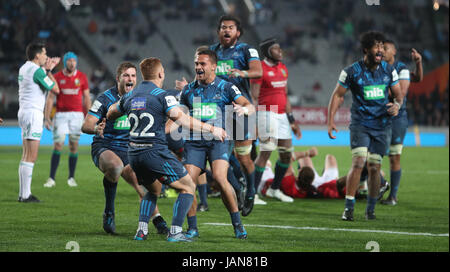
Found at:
[369, 81]
[399, 122]
[238, 63]
[206, 99]
[148, 107]
[110, 145]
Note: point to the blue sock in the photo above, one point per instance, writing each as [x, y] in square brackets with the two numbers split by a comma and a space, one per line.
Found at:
[382, 180]
[251, 184]
[280, 171]
[371, 202]
[181, 208]
[258, 176]
[349, 203]
[110, 189]
[395, 182]
[202, 193]
[54, 162]
[364, 174]
[235, 218]
[192, 222]
[236, 167]
[148, 205]
[232, 179]
[73, 157]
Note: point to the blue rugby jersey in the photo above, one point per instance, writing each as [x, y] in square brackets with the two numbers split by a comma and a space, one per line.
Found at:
[147, 107]
[403, 74]
[116, 132]
[370, 93]
[207, 103]
[235, 57]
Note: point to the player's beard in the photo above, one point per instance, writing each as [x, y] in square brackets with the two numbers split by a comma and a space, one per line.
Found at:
[70, 70]
[228, 40]
[377, 57]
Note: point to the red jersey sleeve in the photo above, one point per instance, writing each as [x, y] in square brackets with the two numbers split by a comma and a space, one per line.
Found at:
[329, 190]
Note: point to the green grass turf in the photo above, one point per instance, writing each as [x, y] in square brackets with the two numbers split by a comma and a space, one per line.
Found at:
[75, 214]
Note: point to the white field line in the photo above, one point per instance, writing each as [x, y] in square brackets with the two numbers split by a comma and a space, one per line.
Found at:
[337, 229]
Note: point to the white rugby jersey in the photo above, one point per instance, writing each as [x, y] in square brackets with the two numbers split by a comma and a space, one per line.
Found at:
[33, 84]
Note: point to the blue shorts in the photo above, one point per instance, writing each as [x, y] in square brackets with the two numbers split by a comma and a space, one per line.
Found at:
[399, 129]
[156, 162]
[197, 152]
[98, 148]
[376, 141]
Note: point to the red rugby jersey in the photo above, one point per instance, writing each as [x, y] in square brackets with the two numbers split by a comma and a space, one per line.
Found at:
[71, 88]
[273, 86]
[289, 187]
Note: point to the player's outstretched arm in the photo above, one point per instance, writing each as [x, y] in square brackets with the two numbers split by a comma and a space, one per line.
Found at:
[254, 71]
[243, 107]
[335, 102]
[179, 84]
[417, 75]
[178, 116]
[113, 112]
[90, 125]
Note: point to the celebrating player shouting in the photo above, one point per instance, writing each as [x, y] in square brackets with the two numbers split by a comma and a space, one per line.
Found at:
[147, 107]
[237, 63]
[206, 98]
[371, 116]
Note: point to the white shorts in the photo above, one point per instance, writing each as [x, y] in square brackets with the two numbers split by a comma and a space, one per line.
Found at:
[31, 122]
[67, 123]
[328, 175]
[273, 125]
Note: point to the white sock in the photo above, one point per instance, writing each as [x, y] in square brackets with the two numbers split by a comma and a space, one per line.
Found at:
[175, 229]
[349, 197]
[153, 217]
[25, 176]
[144, 227]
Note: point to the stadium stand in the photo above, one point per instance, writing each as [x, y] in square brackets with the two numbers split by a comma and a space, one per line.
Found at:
[317, 44]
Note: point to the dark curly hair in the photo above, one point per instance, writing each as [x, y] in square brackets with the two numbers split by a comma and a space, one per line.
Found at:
[369, 38]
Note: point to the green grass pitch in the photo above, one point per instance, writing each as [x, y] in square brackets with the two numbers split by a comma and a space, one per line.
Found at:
[420, 222]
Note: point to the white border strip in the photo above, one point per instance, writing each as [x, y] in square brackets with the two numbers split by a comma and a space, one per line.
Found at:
[337, 229]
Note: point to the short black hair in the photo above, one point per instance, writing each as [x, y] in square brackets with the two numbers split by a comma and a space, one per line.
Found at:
[33, 49]
[369, 38]
[228, 17]
[210, 53]
[390, 42]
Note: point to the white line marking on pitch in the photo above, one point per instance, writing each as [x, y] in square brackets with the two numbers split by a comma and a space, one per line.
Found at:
[337, 229]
